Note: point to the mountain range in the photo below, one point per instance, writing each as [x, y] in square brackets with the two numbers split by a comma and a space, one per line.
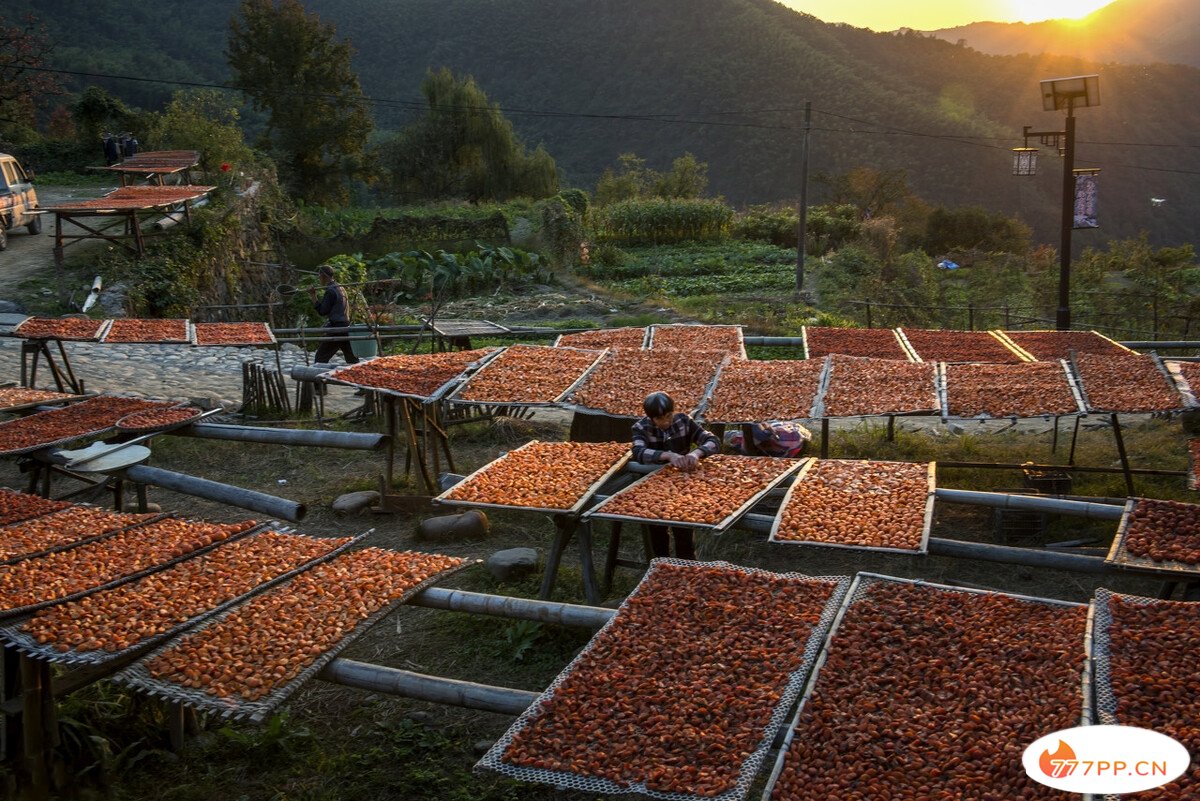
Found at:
[726, 80]
[1125, 31]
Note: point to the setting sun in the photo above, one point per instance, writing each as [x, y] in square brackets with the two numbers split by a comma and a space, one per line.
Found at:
[1037, 10]
[888, 15]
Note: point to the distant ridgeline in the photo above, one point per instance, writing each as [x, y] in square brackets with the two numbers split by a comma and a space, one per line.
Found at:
[727, 81]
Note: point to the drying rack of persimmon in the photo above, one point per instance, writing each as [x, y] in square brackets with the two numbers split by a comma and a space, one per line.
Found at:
[1145, 674]
[1054, 345]
[1030, 389]
[935, 345]
[125, 210]
[727, 338]
[17, 506]
[611, 338]
[106, 626]
[64, 529]
[233, 335]
[624, 378]
[871, 506]
[422, 376]
[92, 417]
[929, 691]
[1127, 383]
[1159, 536]
[680, 695]
[714, 496]
[18, 399]
[38, 332]
[1186, 376]
[549, 477]
[1193, 446]
[412, 386]
[528, 375]
[126, 555]
[753, 391]
[130, 331]
[246, 661]
[857, 386]
[876, 343]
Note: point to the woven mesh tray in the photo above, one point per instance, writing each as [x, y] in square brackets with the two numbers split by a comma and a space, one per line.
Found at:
[1106, 699]
[446, 499]
[494, 758]
[188, 336]
[21, 611]
[57, 506]
[1119, 553]
[926, 525]
[863, 582]
[25, 643]
[335, 377]
[496, 364]
[128, 429]
[785, 471]
[139, 678]
[12, 560]
[77, 436]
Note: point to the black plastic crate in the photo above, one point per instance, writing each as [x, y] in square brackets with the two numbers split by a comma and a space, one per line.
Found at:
[1048, 482]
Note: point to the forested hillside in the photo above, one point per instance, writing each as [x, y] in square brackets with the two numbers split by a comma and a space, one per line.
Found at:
[725, 80]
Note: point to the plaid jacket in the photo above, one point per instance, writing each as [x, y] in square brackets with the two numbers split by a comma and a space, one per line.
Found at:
[684, 433]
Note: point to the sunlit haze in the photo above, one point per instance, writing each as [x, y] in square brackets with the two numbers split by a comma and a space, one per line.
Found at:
[888, 15]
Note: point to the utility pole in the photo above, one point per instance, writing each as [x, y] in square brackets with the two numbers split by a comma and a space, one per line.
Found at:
[802, 228]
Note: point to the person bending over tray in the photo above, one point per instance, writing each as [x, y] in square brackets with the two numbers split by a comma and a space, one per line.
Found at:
[336, 306]
[675, 438]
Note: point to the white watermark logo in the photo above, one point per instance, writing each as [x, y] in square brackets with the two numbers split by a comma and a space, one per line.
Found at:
[1105, 759]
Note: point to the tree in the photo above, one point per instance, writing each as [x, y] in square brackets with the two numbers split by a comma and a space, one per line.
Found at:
[874, 192]
[974, 228]
[23, 87]
[96, 111]
[464, 147]
[687, 179]
[291, 66]
[204, 121]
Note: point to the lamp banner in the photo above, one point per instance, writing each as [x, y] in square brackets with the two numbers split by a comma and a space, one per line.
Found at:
[1086, 191]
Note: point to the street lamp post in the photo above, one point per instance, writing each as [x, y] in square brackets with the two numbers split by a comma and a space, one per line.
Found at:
[1080, 91]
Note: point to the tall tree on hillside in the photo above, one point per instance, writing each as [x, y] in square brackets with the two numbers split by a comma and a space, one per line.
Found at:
[464, 147]
[292, 67]
[23, 87]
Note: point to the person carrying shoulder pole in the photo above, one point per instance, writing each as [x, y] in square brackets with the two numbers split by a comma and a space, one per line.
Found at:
[334, 305]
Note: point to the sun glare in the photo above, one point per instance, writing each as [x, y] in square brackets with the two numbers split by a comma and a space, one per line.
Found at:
[1038, 10]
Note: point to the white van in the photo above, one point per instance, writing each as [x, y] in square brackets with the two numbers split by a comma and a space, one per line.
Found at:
[18, 199]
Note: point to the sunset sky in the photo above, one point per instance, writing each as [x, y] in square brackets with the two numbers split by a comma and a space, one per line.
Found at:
[888, 15]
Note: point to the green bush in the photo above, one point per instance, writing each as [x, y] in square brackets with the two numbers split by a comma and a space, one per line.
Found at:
[577, 199]
[777, 225]
[662, 221]
[562, 230]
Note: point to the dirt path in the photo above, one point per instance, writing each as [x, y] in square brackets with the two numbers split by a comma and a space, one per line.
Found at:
[30, 256]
